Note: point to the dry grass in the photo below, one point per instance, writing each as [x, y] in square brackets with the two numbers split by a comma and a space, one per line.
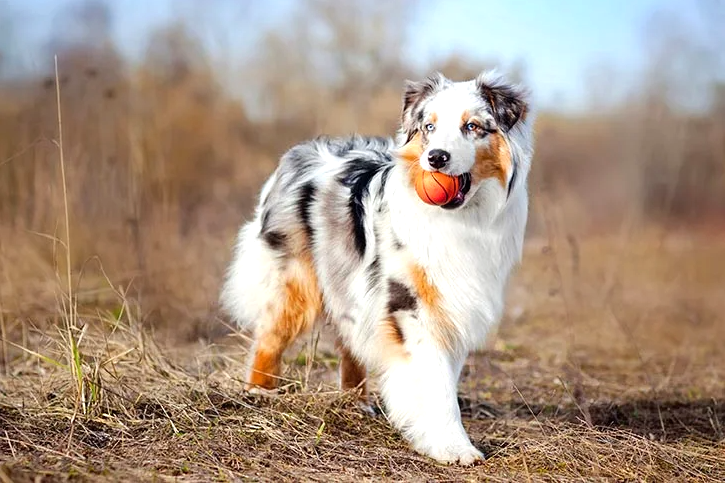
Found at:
[116, 366]
[569, 389]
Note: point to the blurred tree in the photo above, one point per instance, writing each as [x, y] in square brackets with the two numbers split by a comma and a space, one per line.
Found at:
[186, 117]
[173, 54]
[331, 51]
[603, 87]
[680, 147]
[82, 39]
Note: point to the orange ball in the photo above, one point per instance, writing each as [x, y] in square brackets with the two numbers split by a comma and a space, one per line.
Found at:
[436, 188]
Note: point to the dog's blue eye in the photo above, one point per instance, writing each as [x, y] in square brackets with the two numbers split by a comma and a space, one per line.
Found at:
[429, 127]
[471, 126]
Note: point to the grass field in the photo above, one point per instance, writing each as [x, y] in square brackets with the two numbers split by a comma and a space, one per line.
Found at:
[122, 184]
[609, 366]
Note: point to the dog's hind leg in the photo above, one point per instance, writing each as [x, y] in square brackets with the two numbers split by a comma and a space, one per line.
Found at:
[292, 310]
[273, 290]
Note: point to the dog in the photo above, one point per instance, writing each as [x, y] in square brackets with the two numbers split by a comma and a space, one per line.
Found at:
[411, 288]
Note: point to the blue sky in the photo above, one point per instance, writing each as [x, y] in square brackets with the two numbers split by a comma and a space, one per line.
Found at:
[559, 40]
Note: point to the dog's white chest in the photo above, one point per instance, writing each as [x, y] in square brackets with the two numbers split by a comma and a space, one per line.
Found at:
[471, 278]
[468, 267]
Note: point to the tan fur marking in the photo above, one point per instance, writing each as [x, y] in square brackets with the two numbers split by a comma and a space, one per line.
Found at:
[433, 118]
[352, 373]
[524, 113]
[411, 153]
[393, 340]
[427, 292]
[302, 305]
[393, 331]
[445, 331]
[265, 369]
[493, 161]
[413, 149]
[464, 118]
[300, 246]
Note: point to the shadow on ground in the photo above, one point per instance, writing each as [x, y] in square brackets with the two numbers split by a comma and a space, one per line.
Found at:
[661, 420]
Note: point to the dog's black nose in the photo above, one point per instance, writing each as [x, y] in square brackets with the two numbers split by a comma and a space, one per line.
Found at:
[438, 158]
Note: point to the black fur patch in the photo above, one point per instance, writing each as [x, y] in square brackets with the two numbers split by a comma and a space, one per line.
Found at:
[513, 179]
[307, 196]
[374, 273]
[400, 297]
[507, 104]
[357, 176]
[275, 239]
[384, 180]
[419, 117]
[414, 93]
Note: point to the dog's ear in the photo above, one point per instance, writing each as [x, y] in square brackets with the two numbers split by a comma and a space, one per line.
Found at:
[414, 93]
[509, 103]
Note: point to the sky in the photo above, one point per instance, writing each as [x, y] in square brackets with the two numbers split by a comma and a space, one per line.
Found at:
[559, 40]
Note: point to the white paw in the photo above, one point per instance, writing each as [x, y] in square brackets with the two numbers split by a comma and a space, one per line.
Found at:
[470, 456]
[261, 391]
[464, 455]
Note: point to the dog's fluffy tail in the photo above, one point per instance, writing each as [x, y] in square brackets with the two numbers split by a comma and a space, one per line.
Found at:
[252, 275]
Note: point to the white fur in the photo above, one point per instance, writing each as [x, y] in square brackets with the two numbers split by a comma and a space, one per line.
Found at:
[467, 254]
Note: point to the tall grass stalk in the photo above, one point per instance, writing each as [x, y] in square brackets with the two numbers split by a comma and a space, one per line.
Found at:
[70, 312]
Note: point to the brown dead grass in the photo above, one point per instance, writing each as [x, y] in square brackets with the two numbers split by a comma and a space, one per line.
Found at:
[609, 364]
[571, 388]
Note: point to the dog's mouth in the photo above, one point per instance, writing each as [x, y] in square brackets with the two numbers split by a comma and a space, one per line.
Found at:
[460, 197]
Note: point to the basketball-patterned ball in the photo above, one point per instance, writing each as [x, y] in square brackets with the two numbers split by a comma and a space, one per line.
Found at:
[436, 188]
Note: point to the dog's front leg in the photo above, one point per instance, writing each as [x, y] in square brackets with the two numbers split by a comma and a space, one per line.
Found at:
[420, 396]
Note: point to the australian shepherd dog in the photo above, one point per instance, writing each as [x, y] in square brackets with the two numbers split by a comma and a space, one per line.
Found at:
[411, 288]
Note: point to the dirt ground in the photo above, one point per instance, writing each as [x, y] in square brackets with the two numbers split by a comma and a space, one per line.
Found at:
[608, 366]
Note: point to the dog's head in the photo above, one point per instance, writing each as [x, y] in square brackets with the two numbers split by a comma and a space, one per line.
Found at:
[469, 129]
